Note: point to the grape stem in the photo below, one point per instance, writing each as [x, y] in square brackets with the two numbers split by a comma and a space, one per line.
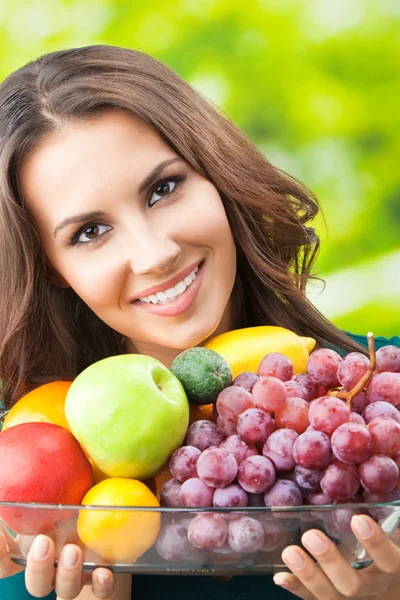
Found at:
[348, 396]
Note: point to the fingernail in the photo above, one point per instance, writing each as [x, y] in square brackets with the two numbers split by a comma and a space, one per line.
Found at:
[103, 579]
[40, 547]
[281, 582]
[70, 557]
[314, 543]
[295, 559]
[361, 526]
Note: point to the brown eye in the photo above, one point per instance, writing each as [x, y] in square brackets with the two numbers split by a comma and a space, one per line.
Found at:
[162, 189]
[91, 232]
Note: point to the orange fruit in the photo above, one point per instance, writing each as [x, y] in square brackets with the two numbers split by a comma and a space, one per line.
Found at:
[244, 349]
[43, 404]
[116, 535]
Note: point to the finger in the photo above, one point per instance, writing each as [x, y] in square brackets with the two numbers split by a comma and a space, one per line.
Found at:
[103, 583]
[309, 574]
[290, 583]
[7, 566]
[69, 572]
[381, 549]
[39, 573]
[343, 577]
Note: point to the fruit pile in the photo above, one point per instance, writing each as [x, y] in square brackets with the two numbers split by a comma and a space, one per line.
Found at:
[327, 436]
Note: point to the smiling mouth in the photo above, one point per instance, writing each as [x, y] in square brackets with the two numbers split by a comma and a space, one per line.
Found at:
[173, 293]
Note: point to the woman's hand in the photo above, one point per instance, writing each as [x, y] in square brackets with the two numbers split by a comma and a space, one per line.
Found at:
[41, 577]
[332, 578]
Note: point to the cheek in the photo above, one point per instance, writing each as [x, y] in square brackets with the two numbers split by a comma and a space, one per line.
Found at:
[97, 282]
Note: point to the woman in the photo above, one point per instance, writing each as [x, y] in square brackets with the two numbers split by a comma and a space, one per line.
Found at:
[117, 181]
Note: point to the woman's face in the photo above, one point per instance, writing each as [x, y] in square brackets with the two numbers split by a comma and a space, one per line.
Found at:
[139, 235]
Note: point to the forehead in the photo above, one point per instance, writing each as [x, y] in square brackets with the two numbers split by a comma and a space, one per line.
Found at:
[85, 154]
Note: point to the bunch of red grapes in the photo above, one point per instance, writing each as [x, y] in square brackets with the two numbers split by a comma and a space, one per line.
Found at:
[287, 440]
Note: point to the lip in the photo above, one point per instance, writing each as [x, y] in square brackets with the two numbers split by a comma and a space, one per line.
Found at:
[180, 304]
[167, 284]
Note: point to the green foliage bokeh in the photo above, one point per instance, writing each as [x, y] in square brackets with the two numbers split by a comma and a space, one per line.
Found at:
[314, 83]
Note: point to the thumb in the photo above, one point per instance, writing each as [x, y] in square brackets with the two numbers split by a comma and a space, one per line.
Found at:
[7, 566]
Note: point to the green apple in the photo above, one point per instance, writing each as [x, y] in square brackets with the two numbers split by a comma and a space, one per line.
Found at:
[129, 413]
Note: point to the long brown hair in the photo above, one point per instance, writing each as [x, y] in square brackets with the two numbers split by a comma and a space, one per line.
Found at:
[47, 332]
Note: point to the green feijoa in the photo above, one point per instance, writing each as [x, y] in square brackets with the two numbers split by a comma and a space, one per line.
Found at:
[203, 374]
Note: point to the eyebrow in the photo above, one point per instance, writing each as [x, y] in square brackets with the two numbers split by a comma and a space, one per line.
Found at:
[96, 214]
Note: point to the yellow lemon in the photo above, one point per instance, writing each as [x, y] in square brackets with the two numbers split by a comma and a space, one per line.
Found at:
[43, 404]
[243, 349]
[116, 535]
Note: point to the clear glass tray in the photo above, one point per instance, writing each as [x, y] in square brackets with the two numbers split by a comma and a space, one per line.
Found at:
[282, 526]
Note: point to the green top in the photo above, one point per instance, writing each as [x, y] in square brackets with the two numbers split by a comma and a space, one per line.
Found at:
[182, 587]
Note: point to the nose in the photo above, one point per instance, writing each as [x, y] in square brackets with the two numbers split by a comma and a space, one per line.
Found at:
[152, 251]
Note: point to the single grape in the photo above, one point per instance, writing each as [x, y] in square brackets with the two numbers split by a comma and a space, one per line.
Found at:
[356, 418]
[359, 402]
[246, 380]
[352, 443]
[379, 474]
[388, 359]
[256, 474]
[294, 415]
[202, 434]
[277, 365]
[230, 496]
[353, 366]
[207, 531]
[305, 381]
[172, 542]
[283, 493]
[226, 426]
[312, 450]
[386, 387]
[327, 413]
[232, 401]
[275, 533]
[254, 426]
[381, 409]
[341, 519]
[296, 390]
[382, 511]
[279, 449]
[322, 367]
[216, 467]
[182, 463]
[169, 493]
[319, 498]
[385, 434]
[340, 481]
[308, 479]
[236, 446]
[195, 493]
[269, 394]
[245, 534]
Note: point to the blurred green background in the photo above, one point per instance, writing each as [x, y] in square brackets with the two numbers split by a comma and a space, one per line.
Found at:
[314, 83]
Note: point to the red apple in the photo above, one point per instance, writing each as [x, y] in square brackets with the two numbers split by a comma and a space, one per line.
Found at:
[41, 463]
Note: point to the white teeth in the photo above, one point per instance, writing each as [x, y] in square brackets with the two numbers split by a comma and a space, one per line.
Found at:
[181, 287]
[171, 293]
